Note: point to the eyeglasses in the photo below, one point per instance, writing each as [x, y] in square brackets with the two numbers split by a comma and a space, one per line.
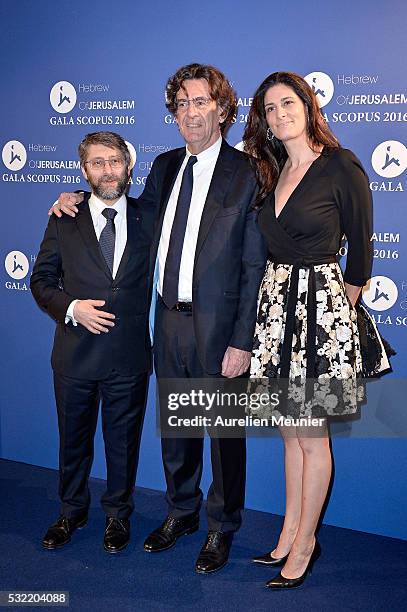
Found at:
[99, 163]
[199, 103]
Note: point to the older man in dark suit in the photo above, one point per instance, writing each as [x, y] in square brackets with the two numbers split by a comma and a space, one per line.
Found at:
[207, 261]
[91, 276]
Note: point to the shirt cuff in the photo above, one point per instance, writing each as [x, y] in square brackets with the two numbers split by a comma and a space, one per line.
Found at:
[69, 314]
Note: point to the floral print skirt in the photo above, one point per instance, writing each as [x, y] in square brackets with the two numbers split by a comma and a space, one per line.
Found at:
[336, 386]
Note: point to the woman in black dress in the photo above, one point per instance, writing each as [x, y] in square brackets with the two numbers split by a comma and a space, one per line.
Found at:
[312, 192]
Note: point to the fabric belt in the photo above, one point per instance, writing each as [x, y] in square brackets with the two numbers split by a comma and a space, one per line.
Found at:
[311, 351]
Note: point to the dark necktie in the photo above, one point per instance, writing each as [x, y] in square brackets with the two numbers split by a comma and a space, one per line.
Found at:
[108, 236]
[173, 261]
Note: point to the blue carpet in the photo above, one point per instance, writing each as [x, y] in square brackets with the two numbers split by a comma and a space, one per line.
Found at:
[357, 571]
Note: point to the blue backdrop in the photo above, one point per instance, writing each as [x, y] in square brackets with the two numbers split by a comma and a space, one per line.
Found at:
[71, 68]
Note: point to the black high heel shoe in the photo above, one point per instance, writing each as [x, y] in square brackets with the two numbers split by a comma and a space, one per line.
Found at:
[269, 560]
[281, 582]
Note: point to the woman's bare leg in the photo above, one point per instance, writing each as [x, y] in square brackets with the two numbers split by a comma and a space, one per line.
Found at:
[293, 459]
[316, 475]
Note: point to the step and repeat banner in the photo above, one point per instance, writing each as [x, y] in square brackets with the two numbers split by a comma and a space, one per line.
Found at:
[77, 67]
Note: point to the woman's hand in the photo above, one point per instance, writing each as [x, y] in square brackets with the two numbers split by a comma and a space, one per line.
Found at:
[352, 292]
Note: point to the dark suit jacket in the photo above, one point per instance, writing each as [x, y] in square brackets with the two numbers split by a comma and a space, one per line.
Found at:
[230, 254]
[70, 265]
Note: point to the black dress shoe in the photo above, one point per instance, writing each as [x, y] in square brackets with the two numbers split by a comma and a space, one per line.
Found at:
[281, 582]
[167, 534]
[117, 534]
[269, 560]
[214, 553]
[60, 532]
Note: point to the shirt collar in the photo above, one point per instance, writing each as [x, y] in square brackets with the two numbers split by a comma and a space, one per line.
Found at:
[97, 206]
[208, 154]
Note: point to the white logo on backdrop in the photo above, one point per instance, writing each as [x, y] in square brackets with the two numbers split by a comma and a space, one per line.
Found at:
[389, 159]
[16, 264]
[63, 97]
[322, 85]
[14, 155]
[133, 154]
[380, 293]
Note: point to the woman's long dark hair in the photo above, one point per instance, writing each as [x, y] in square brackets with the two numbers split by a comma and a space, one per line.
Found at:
[269, 156]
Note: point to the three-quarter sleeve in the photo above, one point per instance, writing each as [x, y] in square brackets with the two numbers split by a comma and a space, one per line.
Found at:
[356, 209]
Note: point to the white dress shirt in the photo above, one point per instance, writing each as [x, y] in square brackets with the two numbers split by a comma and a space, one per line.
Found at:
[203, 172]
[96, 207]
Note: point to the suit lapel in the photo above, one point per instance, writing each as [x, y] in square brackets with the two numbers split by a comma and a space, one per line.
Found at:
[85, 227]
[169, 179]
[221, 178]
[170, 176]
[133, 223]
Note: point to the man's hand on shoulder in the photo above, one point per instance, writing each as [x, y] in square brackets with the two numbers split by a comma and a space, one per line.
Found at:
[235, 362]
[87, 314]
[66, 203]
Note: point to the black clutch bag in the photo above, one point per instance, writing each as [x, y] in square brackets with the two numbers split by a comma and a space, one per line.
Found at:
[375, 350]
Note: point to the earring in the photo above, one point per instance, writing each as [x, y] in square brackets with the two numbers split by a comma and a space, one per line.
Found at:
[269, 135]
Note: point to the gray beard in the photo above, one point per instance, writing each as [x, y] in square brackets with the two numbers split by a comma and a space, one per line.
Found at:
[110, 193]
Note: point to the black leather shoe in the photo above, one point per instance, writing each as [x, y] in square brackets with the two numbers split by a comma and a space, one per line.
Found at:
[269, 560]
[281, 582]
[60, 532]
[117, 534]
[214, 553]
[167, 534]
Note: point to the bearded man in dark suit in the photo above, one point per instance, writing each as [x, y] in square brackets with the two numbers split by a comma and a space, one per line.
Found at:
[91, 276]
